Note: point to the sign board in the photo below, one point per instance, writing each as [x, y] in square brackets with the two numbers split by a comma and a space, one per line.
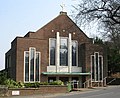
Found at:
[15, 92]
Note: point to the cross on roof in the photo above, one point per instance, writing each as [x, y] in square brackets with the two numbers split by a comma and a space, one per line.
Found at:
[63, 7]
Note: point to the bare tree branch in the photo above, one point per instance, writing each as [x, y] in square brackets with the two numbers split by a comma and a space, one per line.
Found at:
[107, 12]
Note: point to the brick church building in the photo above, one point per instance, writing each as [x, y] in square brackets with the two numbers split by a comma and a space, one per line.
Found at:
[60, 50]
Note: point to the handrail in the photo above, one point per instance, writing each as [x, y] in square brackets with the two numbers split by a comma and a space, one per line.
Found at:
[87, 81]
[111, 81]
[104, 81]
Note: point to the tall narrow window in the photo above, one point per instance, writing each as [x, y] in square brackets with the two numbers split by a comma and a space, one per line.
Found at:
[37, 66]
[26, 66]
[32, 65]
[52, 47]
[74, 53]
[92, 68]
[32, 62]
[63, 52]
[96, 67]
[101, 67]
[8, 62]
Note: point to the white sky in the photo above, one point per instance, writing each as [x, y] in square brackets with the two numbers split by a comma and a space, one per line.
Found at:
[17, 17]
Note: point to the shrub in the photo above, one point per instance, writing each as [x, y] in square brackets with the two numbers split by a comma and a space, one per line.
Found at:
[27, 85]
[3, 77]
[21, 84]
[36, 84]
[32, 85]
[59, 82]
[11, 83]
[44, 83]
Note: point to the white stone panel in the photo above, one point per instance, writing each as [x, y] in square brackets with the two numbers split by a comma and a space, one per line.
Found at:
[63, 68]
[51, 68]
[76, 69]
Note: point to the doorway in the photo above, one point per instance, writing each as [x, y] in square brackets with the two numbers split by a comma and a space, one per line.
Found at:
[75, 82]
[64, 80]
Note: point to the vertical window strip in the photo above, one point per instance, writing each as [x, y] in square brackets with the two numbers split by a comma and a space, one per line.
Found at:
[31, 65]
[8, 62]
[92, 68]
[96, 67]
[101, 67]
[52, 48]
[37, 69]
[34, 64]
[63, 51]
[26, 64]
[74, 53]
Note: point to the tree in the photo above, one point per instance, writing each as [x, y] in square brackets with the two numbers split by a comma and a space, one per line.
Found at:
[113, 61]
[107, 15]
[3, 77]
[97, 40]
[105, 12]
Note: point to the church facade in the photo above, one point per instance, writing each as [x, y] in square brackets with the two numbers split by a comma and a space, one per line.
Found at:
[60, 50]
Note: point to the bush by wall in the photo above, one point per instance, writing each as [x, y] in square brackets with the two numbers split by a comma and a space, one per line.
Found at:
[13, 84]
[37, 84]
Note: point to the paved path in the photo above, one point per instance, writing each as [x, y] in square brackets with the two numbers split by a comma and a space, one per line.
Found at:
[109, 92]
[82, 92]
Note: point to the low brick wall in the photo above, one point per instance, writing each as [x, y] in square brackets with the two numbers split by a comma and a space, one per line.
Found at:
[40, 90]
[3, 90]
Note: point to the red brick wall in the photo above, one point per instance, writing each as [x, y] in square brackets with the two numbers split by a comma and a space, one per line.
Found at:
[40, 40]
[23, 44]
[41, 90]
[88, 49]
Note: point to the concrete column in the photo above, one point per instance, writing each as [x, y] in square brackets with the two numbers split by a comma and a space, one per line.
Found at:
[57, 78]
[70, 79]
[80, 82]
[57, 54]
[69, 53]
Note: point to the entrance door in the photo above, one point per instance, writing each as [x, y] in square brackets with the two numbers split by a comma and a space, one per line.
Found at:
[75, 82]
[51, 79]
[64, 80]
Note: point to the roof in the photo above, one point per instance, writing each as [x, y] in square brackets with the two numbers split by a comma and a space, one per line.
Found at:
[63, 24]
[65, 73]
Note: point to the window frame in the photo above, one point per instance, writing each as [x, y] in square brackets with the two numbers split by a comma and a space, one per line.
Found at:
[34, 65]
[49, 50]
[59, 50]
[67, 50]
[98, 69]
[76, 53]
